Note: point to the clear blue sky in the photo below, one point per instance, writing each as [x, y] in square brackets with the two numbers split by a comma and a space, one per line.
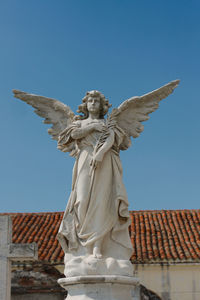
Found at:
[63, 48]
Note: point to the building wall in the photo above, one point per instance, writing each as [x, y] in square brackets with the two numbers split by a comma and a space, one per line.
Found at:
[171, 282]
[36, 282]
[38, 296]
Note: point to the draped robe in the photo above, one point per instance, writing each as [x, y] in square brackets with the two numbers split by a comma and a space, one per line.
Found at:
[98, 204]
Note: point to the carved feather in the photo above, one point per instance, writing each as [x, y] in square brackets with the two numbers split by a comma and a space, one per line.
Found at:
[55, 112]
[135, 110]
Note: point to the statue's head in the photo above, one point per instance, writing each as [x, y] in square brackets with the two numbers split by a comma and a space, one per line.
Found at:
[94, 95]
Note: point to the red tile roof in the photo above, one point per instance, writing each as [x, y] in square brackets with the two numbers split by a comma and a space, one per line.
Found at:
[166, 235]
[157, 236]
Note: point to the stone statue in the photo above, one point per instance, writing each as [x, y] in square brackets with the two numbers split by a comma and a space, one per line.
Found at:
[94, 231]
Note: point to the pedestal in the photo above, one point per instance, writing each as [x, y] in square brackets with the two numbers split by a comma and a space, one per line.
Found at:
[108, 287]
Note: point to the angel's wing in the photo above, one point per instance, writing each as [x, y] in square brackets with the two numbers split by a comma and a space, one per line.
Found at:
[135, 110]
[55, 112]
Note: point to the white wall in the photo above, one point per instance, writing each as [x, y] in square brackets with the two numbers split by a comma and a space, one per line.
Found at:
[171, 282]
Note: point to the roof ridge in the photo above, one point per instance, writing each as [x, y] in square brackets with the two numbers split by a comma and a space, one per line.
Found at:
[32, 213]
[161, 210]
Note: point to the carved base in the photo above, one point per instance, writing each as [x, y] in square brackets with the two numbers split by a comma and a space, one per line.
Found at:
[107, 287]
[91, 266]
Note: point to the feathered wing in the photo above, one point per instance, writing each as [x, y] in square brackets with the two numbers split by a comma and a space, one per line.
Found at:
[53, 111]
[135, 110]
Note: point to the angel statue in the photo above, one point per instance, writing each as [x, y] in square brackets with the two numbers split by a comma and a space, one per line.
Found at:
[94, 231]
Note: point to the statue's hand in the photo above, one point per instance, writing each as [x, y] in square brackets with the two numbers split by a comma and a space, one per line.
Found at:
[96, 160]
[98, 157]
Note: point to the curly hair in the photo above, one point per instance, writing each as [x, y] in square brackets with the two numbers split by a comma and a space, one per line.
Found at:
[104, 105]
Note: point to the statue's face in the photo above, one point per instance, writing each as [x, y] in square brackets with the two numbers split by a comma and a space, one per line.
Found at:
[94, 104]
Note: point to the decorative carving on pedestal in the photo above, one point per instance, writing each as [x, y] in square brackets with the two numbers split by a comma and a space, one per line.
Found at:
[94, 231]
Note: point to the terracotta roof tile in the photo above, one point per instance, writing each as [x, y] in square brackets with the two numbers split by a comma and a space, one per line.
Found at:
[157, 236]
[170, 235]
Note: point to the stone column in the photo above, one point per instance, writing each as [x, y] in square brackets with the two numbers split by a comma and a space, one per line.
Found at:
[10, 252]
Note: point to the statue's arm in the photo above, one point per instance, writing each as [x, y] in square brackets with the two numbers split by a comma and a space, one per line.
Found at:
[80, 133]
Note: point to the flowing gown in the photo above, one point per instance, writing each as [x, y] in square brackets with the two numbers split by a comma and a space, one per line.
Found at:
[98, 205]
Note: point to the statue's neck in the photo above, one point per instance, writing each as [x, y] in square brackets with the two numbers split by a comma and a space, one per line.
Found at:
[93, 117]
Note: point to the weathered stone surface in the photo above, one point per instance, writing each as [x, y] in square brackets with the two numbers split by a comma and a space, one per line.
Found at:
[36, 281]
[23, 251]
[38, 296]
[101, 287]
[8, 252]
[5, 264]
